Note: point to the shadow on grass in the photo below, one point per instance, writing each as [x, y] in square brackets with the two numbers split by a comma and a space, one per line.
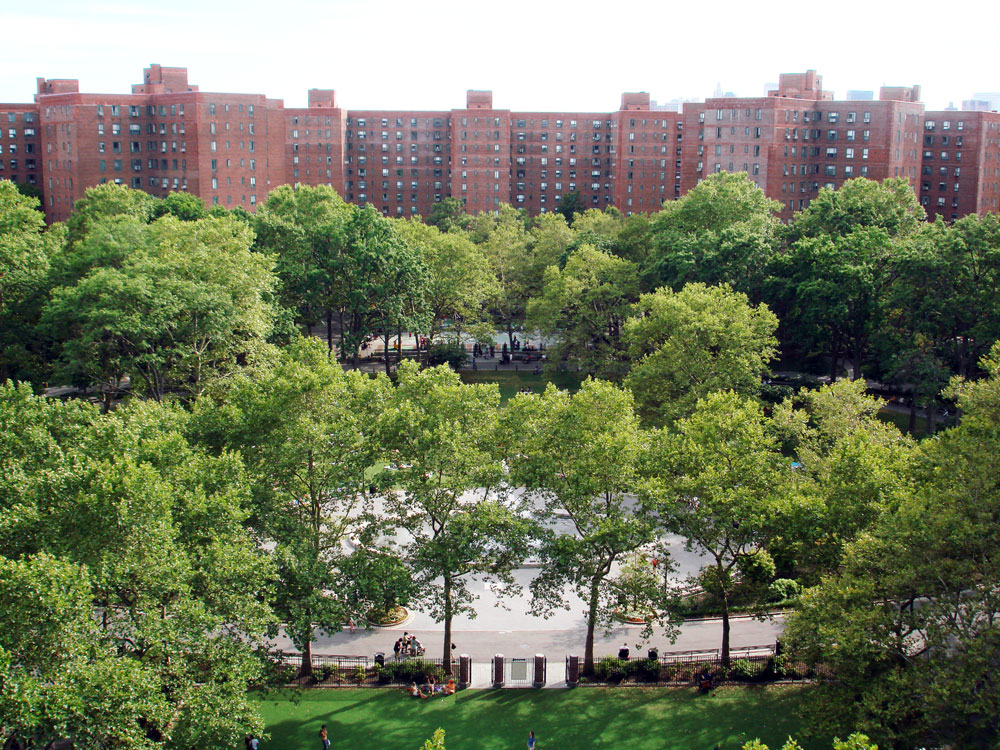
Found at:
[637, 718]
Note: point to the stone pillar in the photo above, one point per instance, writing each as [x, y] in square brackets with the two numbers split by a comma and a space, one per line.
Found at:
[498, 671]
[573, 671]
[464, 671]
[539, 680]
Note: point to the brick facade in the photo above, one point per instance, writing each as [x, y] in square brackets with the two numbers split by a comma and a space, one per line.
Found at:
[232, 149]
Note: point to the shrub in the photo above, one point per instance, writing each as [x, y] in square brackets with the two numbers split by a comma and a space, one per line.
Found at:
[646, 670]
[782, 589]
[404, 672]
[453, 355]
[610, 669]
[743, 670]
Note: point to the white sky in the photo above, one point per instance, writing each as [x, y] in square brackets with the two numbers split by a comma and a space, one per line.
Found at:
[547, 55]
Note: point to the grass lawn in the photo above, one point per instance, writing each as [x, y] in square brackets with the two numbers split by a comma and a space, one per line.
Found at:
[628, 718]
[512, 381]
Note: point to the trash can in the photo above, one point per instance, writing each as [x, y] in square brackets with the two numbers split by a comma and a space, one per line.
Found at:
[653, 654]
[380, 658]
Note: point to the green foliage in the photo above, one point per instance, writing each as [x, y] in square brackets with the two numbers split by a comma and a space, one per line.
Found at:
[723, 231]
[442, 435]
[783, 589]
[454, 355]
[186, 308]
[685, 345]
[183, 206]
[304, 431]
[436, 742]
[448, 214]
[579, 456]
[611, 670]
[570, 205]
[583, 307]
[856, 741]
[104, 202]
[460, 280]
[137, 593]
[903, 631]
[721, 482]
[410, 670]
[25, 253]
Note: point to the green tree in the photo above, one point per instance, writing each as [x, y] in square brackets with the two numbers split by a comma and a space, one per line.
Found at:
[570, 205]
[906, 630]
[305, 431]
[448, 214]
[303, 228]
[583, 308]
[460, 280]
[25, 252]
[150, 530]
[183, 206]
[837, 274]
[59, 681]
[384, 281]
[442, 435]
[858, 466]
[104, 202]
[505, 242]
[578, 456]
[723, 231]
[187, 307]
[720, 481]
[686, 344]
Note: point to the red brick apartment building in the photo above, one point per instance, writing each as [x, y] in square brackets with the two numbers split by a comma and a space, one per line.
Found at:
[960, 172]
[232, 149]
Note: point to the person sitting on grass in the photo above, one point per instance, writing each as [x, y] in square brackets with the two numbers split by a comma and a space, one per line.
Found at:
[414, 691]
[430, 687]
[449, 689]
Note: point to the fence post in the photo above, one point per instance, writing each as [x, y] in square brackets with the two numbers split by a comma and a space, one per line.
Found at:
[464, 671]
[498, 671]
[573, 671]
[539, 680]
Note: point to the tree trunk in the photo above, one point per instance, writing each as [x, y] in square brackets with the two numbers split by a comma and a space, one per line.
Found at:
[446, 654]
[510, 337]
[931, 416]
[725, 630]
[588, 649]
[385, 351]
[329, 332]
[340, 340]
[306, 668]
[912, 427]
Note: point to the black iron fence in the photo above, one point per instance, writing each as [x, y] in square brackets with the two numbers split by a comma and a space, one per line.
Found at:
[752, 664]
[363, 671]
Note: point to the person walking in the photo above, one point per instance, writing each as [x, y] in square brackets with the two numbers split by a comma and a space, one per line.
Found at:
[324, 738]
[531, 741]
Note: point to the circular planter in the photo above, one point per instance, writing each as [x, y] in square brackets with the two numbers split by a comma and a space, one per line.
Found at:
[631, 618]
[395, 616]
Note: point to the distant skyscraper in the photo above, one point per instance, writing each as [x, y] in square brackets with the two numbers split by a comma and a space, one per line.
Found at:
[992, 97]
[976, 105]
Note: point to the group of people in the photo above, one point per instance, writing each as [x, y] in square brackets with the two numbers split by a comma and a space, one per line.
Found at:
[408, 645]
[430, 688]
